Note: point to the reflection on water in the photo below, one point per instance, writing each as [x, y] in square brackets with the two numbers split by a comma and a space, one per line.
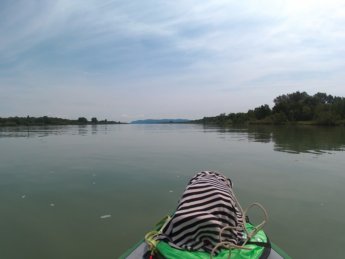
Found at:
[32, 131]
[290, 139]
[44, 131]
[309, 139]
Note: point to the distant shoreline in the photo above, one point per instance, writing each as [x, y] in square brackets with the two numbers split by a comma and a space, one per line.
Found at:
[68, 124]
[263, 123]
[298, 108]
[52, 121]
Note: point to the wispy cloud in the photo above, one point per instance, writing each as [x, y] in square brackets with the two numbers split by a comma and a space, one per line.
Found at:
[165, 58]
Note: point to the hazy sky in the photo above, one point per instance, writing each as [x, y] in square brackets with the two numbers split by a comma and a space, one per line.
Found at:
[126, 60]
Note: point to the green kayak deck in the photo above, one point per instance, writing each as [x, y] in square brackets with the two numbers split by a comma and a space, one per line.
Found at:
[139, 249]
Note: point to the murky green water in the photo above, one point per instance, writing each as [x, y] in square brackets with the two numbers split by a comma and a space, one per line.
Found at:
[59, 184]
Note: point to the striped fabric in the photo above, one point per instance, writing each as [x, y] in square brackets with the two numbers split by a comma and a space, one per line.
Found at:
[206, 206]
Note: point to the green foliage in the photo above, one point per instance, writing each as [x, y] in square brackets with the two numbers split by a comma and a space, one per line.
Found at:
[327, 118]
[278, 118]
[296, 106]
[262, 112]
[82, 120]
[320, 108]
[238, 118]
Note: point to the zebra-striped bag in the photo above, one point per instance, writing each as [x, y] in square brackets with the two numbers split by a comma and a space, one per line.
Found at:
[206, 206]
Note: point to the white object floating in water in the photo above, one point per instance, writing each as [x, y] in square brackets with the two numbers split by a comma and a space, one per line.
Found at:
[52, 204]
[23, 196]
[171, 191]
[105, 216]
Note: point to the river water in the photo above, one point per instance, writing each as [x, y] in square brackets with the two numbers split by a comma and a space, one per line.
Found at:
[93, 191]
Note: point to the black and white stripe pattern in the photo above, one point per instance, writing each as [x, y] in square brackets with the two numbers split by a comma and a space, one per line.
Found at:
[206, 206]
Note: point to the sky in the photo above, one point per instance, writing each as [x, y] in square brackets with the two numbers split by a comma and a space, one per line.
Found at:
[128, 60]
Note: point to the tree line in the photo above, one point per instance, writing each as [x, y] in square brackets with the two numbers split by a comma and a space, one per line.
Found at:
[45, 120]
[297, 107]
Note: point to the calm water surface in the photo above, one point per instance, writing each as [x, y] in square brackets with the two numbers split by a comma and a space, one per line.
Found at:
[93, 191]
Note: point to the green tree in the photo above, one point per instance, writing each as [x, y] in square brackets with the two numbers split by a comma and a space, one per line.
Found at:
[94, 120]
[262, 112]
[82, 120]
[279, 118]
[292, 106]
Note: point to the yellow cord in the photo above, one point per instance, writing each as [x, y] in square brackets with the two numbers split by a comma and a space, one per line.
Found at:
[150, 237]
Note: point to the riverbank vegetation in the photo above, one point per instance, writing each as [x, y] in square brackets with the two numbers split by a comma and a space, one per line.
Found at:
[45, 120]
[294, 108]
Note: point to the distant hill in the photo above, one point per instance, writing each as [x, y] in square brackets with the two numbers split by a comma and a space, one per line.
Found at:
[159, 121]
